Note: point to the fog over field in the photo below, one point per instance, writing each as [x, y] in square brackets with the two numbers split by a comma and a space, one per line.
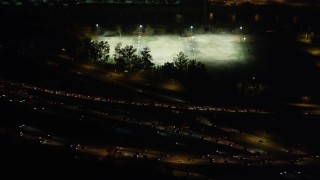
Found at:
[206, 48]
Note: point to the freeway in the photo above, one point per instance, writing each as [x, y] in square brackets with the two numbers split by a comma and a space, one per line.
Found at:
[144, 135]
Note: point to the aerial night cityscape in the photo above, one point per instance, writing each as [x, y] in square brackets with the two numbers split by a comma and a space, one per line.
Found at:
[160, 89]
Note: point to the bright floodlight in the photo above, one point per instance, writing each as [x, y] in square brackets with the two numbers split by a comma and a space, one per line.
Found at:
[140, 26]
[244, 38]
[191, 27]
[240, 27]
[97, 25]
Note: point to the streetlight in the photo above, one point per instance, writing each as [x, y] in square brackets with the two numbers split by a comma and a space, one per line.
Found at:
[97, 28]
[140, 30]
[192, 39]
[241, 33]
[139, 38]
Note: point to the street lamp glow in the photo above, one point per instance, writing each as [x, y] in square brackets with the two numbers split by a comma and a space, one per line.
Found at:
[191, 27]
[244, 38]
[97, 25]
[240, 27]
[140, 26]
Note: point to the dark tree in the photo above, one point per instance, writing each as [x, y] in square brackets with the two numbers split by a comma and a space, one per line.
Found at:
[192, 67]
[128, 53]
[181, 62]
[120, 63]
[125, 58]
[195, 68]
[94, 51]
[201, 69]
[84, 50]
[189, 72]
[146, 59]
[168, 70]
[102, 50]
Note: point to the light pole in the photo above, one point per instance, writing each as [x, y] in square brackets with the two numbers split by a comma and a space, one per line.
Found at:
[97, 29]
[240, 32]
[192, 40]
[140, 29]
[139, 38]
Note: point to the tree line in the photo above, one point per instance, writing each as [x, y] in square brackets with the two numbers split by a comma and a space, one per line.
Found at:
[128, 58]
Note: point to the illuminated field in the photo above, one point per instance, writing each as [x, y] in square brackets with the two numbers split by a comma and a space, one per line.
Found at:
[206, 48]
